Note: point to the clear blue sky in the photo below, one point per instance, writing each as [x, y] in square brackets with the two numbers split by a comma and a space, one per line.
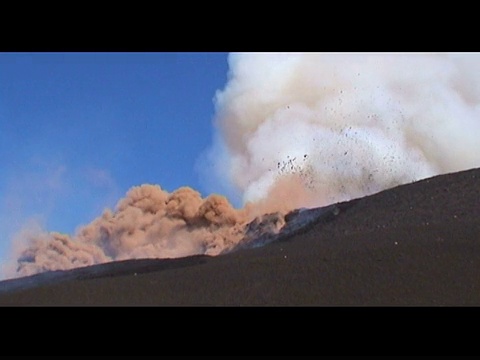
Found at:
[77, 130]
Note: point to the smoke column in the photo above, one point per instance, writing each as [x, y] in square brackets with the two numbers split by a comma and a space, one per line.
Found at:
[292, 130]
[314, 129]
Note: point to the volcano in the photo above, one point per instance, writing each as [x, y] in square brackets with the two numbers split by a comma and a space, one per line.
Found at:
[416, 244]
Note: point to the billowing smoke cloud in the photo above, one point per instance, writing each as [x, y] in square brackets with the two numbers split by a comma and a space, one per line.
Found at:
[148, 223]
[314, 129]
[293, 130]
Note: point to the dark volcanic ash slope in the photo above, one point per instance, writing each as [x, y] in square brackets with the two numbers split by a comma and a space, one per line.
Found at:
[451, 200]
[445, 200]
[416, 244]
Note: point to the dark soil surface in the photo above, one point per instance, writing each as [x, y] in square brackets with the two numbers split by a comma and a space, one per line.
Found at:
[413, 245]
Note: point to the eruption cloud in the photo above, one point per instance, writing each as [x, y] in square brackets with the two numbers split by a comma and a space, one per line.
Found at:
[148, 223]
[292, 130]
[314, 129]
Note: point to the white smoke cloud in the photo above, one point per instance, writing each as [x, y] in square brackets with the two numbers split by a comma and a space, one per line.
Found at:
[345, 125]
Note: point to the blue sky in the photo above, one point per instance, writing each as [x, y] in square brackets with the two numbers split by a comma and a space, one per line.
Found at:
[77, 130]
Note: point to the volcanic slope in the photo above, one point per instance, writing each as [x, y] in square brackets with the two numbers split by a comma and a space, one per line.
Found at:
[414, 244]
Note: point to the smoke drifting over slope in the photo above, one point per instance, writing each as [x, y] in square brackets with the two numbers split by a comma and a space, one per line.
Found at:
[148, 222]
[294, 130]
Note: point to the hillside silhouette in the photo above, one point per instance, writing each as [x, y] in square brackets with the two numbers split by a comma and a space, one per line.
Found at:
[412, 245]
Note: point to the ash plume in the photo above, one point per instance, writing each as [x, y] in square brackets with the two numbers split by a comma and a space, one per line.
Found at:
[313, 129]
[292, 130]
[148, 223]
